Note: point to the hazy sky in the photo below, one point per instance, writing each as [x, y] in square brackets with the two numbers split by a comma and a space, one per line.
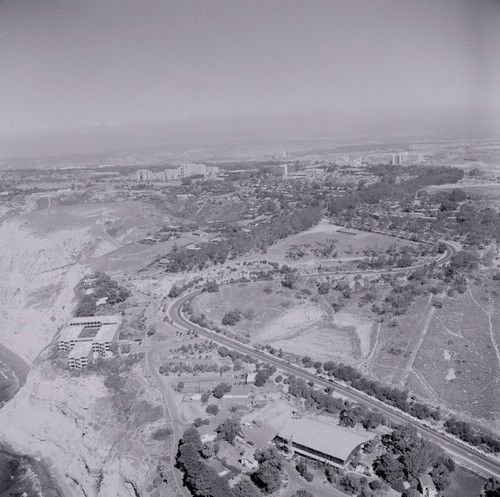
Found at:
[87, 62]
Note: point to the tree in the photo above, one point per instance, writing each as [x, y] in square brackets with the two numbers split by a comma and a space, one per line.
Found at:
[302, 493]
[290, 280]
[208, 450]
[350, 483]
[212, 287]
[389, 468]
[324, 288]
[220, 390]
[229, 429]
[245, 488]
[179, 386]
[192, 436]
[212, 409]
[267, 477]
[492, 488]
[269, 454]
[231, 318]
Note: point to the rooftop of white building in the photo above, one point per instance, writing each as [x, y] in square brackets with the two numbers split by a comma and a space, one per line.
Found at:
[324, 437]
[92, 329]
[81, 349]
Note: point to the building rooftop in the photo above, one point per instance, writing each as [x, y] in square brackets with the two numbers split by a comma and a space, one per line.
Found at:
[92, 328]
[81, 349]
[324, 437]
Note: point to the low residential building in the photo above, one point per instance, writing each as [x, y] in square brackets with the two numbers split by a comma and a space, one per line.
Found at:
[426, 486]
[96, 333]
[250, 378]
[321, 441]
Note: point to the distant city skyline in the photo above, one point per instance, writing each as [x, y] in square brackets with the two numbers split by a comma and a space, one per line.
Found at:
[111, 63]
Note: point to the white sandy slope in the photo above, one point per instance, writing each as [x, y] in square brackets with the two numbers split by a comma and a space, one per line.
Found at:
[60, 419]
[38, 275]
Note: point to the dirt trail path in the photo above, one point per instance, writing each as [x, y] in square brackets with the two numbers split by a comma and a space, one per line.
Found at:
[366, 362]
[492, 334]
[423, 326]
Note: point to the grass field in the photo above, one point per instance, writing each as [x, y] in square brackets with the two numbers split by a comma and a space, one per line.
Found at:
[349, 242]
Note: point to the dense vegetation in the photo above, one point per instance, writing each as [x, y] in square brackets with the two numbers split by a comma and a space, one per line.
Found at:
[389, 395]
[98, 286]
[409, 456]
[388, 189]
[199, 478]
[238, 242]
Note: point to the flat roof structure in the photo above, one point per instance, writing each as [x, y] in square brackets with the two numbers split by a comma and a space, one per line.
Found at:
[318, 439]
[81, 349]
[85, 335]
[96, 328]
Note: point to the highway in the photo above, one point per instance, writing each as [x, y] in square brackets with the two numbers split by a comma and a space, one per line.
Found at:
[460, 452]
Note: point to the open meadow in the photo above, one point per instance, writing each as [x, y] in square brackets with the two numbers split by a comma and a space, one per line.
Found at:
[327, 241]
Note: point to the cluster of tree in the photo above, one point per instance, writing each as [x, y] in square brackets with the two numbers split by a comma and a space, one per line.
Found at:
[268, 475]
[350, 414]
[235, 355]
[479, 225]
[449, 201]
[264, 372]
[212, 287]
[229, 429]
[231, 318]
[199, 478]
[472, 435]
[178, 290]
[303, 471]
[220, 390]
[390, 395]
[400, 257]
[491, 488]
[409, 456]
[238, 242]
[388, 189]
[101, 286]
[173, 367]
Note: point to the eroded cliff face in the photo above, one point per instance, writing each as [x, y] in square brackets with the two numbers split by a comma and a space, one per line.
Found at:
[38, 275]
[72, 423]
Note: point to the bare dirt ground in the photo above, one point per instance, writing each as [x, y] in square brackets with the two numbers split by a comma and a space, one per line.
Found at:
[285, 319]
[457, 363]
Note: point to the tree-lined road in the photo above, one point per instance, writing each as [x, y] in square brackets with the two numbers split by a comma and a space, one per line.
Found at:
[461, 453]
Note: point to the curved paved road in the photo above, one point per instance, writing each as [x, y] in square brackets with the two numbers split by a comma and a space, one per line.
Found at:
[462, 453]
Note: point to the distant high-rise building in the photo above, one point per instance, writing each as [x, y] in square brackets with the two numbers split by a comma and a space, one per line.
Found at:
[192, 169]
[184, 171]
[407, 158]
[144, 175]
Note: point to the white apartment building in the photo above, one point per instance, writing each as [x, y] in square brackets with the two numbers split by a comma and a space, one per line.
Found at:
[184, 171]
[87, 336]
[407, 158]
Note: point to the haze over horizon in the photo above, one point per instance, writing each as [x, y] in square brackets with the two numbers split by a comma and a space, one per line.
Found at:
[239, 67]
